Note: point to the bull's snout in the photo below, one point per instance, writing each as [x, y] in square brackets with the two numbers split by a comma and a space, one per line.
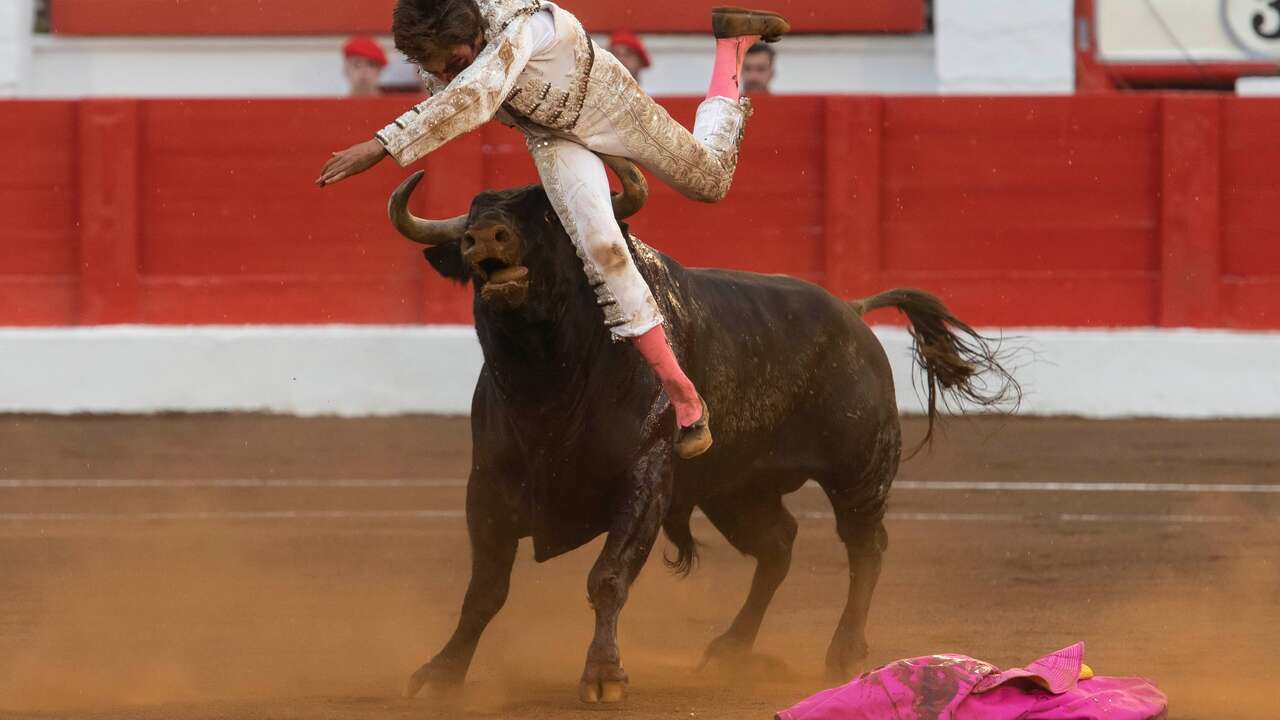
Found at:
[493, 251]
[491, 240]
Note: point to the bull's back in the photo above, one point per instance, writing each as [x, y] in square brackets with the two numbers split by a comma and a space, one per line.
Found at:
[768, 349]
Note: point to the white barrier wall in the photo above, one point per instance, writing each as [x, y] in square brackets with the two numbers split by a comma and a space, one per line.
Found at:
[16, 20]
[358, 371]
[1005, 46]
[312, 66]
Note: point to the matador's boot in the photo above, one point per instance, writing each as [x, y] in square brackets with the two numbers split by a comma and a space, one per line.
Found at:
[695, 439]
[736, 30]
[693, 419]
[732, 22]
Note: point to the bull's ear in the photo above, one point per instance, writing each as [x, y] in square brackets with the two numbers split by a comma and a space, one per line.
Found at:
[447, 260]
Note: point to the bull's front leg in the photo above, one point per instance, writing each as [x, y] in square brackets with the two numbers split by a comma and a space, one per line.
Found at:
[631, 536]
[494, 539]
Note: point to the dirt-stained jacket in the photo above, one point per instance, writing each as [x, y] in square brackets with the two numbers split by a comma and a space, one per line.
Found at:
[544, 86]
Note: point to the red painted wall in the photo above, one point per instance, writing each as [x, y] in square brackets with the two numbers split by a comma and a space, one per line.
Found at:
[1105, 210]
[284, 17]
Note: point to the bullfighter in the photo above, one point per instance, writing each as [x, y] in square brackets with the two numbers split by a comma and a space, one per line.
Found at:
[531, 64]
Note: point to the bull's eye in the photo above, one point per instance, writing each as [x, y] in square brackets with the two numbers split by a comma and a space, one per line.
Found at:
[502, 236]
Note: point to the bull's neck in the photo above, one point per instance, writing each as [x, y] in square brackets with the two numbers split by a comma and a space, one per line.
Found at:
[543, 357]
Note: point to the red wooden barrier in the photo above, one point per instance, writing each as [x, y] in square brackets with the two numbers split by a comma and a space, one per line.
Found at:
[38, 258]
[312, 17]
[108, 140]
[1250, 213]
[1109, 210]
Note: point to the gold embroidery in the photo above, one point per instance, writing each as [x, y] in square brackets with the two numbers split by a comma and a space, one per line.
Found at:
[498, 14]
[543, 104]
[700, 170]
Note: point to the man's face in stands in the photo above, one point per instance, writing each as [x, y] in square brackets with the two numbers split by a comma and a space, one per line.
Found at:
[362, 75]
[757, 72]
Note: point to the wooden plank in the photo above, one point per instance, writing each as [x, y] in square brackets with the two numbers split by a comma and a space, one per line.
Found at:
[1250, 190]
[853, 195]
[1191, 233]
[37, 189]
[108, 211]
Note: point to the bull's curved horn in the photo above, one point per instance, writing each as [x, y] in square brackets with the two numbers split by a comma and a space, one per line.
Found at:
[635, 189]
[427, 232]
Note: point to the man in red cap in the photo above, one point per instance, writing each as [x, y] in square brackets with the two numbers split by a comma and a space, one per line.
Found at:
[630, 51]
[362, 63]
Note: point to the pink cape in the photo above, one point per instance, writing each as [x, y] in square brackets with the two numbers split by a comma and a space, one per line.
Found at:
[957, 687]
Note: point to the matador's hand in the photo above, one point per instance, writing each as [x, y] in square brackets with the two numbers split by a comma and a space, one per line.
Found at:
[352, 161]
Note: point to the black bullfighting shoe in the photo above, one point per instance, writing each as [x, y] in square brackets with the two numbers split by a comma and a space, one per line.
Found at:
[731, 22]
[694, 440]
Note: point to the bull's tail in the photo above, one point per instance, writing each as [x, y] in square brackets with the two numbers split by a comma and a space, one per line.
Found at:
[676, 527]
[958, 363]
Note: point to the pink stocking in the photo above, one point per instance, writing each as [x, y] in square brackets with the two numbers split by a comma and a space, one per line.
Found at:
[730, 53]
[653, 346]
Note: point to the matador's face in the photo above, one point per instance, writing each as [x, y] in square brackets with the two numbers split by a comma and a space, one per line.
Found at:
[448, 62]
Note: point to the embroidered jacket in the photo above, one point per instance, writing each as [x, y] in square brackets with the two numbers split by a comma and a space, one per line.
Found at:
[545, 87]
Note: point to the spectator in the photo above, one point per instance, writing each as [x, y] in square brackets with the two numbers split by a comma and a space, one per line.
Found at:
[362, 63]
[42, 16]
[757, 69]
[630, 51]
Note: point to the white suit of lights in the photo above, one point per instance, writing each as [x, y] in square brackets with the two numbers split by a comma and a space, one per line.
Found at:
[540, 71]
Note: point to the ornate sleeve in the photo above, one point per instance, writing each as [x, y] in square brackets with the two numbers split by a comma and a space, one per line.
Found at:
[434, 85]
[471, 100]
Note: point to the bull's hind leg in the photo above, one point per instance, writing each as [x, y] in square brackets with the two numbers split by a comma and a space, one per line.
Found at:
[631, 536]
[865, 543]
[494, 541]
[858, 499]
[762, 528]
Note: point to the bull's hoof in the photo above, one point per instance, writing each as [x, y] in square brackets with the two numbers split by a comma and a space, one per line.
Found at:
[725, 651]
[733, 660]
[603, 684]
[437, 677]
[843, 663]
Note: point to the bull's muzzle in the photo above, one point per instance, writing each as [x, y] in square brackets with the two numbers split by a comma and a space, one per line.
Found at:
[493, 252]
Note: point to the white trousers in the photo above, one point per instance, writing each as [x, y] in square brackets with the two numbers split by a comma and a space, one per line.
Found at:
[619, 119]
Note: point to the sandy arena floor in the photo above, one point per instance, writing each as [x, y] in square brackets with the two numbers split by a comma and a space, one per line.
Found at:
[249, 567]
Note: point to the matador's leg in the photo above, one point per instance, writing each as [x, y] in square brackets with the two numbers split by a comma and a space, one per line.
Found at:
[576, 183]
[700, 165]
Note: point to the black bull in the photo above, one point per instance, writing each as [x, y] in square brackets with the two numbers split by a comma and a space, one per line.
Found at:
[572, 436]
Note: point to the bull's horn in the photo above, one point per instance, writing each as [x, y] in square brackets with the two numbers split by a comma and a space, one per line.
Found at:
[635, 189]
[427, 232]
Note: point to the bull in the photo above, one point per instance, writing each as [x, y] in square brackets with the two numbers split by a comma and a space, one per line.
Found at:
[572, 434]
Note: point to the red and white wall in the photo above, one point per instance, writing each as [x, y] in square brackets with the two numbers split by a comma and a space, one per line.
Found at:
[239, 48]
[167, 254]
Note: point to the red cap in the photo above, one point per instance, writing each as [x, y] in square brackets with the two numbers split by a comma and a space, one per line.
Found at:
[626, 38]
[363, 47]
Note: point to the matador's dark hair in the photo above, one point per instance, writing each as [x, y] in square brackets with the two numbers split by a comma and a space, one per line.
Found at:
[418, 25]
